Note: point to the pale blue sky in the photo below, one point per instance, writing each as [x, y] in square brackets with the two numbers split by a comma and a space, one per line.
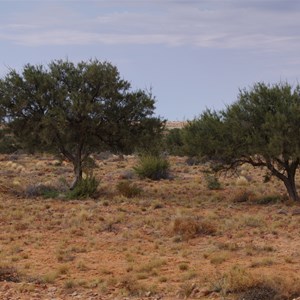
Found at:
[194, 54]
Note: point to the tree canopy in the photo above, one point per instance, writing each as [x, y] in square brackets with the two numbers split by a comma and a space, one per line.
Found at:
[75, 109]
[261, 128]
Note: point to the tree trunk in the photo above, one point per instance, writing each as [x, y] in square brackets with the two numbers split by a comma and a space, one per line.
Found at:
[77, 163]
[288, 179]
[290, 185]
[77, 172]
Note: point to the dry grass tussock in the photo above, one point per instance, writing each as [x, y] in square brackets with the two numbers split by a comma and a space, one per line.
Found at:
[249, 286]
[189, 227]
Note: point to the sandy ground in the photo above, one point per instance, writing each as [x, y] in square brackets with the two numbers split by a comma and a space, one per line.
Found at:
[113, 247]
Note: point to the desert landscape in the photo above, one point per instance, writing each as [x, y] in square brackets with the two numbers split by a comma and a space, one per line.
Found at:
[183, 237]
[149, 150]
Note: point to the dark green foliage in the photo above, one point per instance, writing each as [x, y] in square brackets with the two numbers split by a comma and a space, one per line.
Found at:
[174, 142]
[128, 189]
[75, 110]
[85, 188]
[203, 137]
[8, 143]
[212, 182]
[50, 193]
[261, 128]
[149, 138]
[268, 199]
[153, 167]
[260, 292]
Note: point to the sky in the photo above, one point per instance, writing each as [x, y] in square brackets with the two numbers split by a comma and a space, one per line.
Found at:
[193, 54]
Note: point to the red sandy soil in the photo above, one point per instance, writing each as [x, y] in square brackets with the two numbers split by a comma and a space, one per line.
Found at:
[113, 247]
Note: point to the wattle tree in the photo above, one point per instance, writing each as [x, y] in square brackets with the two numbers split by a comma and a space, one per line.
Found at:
[261, 128]
[76, 109]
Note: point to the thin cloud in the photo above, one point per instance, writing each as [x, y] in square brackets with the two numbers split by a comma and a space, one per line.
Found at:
[259, 25]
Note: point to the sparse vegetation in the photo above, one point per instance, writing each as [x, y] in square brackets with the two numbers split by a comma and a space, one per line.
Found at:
[243, 196]
[189, 227]
[212, 182]
[249, 287]
[188, 236]
[76, 109]
[153, 167]
[258, 129]
[86, 187]
[174, 142]
[268, 199]
[41, 190]
[128, 189]
[172, 239]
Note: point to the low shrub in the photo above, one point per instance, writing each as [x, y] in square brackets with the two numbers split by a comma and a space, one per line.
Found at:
[133, 288]
[243, 196]
[259, 292]
[268, 199]
[247, 196]
[174, 143]
[247, 286]
[212, 182]
[153, 167]
[128, 189]
[85, 188]
[9, 274]
[41, 190]
[8, 142]
[50, 193]
[189, 227]
[272, 288]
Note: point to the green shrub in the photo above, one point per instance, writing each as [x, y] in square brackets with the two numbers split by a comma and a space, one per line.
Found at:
[212, 182]
[50, 193]
[268, 199]
[8, 143]
[128, 189]
[85, 188]
[174, 142]
[153, 167]
[43, 190]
